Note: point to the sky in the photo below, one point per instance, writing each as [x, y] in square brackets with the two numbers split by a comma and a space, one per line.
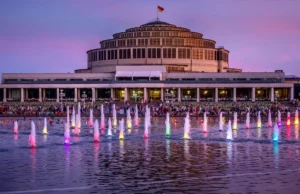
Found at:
[52, 36]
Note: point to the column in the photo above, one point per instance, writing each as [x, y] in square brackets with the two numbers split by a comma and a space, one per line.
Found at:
[292, 93]
[40, 94]
[4, 95]
[57, 94]
[75, 95]
[44, 93]
[234, 94]
[78, 94]
[272, 94]
[145, 95]
[162, 94]
[112, 95]
[26, 93]
[253, 95]
[125, 94]
[198, 95]
[22, 94]
[93, 95]
[216, 95]
[179, 94]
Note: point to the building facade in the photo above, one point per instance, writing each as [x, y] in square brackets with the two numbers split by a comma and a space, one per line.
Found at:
[156, 61]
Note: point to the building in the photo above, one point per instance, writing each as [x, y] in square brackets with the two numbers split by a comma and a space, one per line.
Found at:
[156, 61]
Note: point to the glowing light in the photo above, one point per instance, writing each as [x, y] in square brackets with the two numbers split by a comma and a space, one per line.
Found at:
[296, 118]
[288, 119]
[259, 120]
[16, 127]
[275, 133]
[32, 140]
[248, 120]
[121, 129]
[187, 127]
[270, 119]
[229, 131]
[168, 127]
[234, 121]
[204, 122]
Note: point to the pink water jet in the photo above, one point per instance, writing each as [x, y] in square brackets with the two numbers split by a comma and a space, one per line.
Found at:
[31, 139]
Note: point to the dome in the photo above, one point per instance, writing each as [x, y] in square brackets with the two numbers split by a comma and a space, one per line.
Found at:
[158, 23]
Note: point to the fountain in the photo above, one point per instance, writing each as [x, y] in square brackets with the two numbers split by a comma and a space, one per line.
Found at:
[32, 140]
[136, 116]
[73, 118]
[275, 132]
[109, 132]
[204, 122]
[114, 112]
[148, 115]
[102, 119]
[45, 131]
[67, 140]
[187, 127]
[270, 124]
[16, 127]
[146, 131]
[235, 121]
[129, 121]
[79, 115]
[221, 121]
[258, 120]
[96, 131]
[76, 130]
[91, 118]
[288, 119]
[296, 117]
[121, 129]
[68, 115]
[248, 120]
[168, 127]
[279, 119]
[229, 131]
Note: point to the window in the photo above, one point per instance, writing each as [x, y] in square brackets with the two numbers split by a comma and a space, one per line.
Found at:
[195, 53]
[156, 34]
[121, 43]
[158, 53]
[184, 53]
[134, 53]
[131, 42]
[169, 53]
[154, 41]
[142, 42]
[200, 53]
[138, 53]
[108, 55]
[167, 41]
[120, 54]
[178, 42]
[143, 53]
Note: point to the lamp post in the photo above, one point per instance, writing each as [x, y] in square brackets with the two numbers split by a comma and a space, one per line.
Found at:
[61, 95]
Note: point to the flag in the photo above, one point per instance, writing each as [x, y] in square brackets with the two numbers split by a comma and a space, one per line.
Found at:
[160, 9]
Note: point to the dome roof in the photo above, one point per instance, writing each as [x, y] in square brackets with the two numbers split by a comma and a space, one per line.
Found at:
[158, 23]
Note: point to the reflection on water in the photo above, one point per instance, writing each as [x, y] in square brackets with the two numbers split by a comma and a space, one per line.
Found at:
[207, 163]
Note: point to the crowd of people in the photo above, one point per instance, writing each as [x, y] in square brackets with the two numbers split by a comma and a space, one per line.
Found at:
[53, 109]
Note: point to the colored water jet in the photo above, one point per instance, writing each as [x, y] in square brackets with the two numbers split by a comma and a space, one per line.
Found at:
[73, 118]
[129, 121]
[77, 130]
[96, 131]
[187, 127]
[229, 131]
[270, 124]
[288, 119]
[146, 130]
[275, 132]
[109, 130]
[235, 121]
[16, 127]
[136, 116]
[67, 136]
[168, 126]
[114, 112]
[79, 115]
[102, 119]
[204, 122]
[121, 129]
[259, 120]
[32, 136]
[68, 115]
[248, 120]
[221, 121]
[91, 119]
[296, 122]
[45, 130]
[279, 119]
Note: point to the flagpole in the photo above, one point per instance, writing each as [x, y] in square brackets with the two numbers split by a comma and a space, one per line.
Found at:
[157, 14]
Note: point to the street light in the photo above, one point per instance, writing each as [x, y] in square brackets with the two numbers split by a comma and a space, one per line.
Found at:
[61, 94]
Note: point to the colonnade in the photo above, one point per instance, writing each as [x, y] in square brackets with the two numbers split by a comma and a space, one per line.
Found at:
[123, 93]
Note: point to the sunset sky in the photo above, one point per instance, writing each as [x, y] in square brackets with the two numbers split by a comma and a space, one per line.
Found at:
[53, 35]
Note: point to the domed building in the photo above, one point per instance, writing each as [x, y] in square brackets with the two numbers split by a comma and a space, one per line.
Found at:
[158, 43]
